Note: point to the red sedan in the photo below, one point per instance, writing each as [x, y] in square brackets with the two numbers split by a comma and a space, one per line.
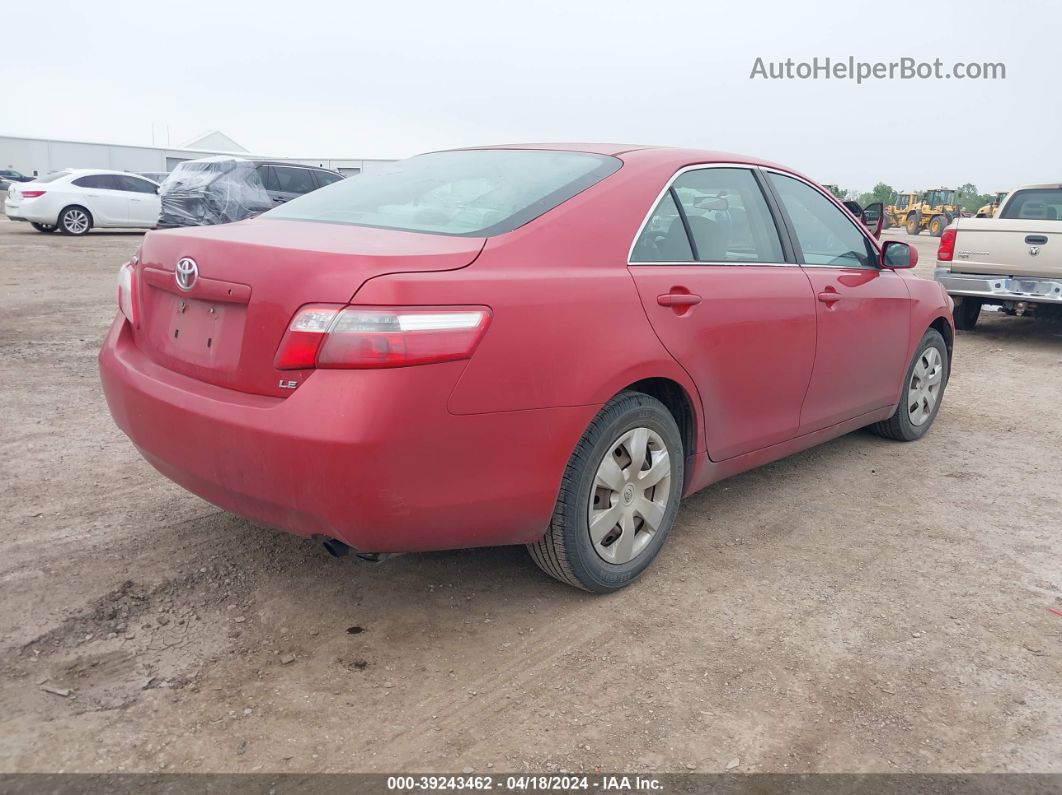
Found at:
[540, 345]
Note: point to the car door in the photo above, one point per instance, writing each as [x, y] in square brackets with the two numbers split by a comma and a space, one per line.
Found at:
[104, 198]
[724, 295]
[291, 182]
[863, 309]
[144, 203]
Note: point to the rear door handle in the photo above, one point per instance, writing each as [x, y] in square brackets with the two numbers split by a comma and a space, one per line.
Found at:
[678, 299]
[829, 296]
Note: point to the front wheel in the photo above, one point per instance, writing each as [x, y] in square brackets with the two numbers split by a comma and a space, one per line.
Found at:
[923, 389]
[618, 498]
[46, 228]
[937, 225]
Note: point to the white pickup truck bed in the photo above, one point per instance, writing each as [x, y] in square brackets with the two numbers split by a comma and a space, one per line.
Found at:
[1014, 259]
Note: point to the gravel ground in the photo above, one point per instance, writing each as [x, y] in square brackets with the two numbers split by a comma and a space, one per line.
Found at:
[863, 606]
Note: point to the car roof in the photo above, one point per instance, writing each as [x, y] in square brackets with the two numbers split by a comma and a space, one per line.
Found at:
[258, 162]
[1045, 186]
[80, 172]
[680, 156]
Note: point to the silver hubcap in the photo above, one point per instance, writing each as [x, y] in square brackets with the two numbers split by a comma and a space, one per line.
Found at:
[76, 221]
[924, 389]
[629, 496]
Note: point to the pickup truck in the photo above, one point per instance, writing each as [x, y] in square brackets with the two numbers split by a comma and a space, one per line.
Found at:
[1013, 260]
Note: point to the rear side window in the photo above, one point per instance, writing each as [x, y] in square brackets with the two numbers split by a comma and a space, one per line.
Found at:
[269, 179]
[469, 192]
[1035, 204]
[664, 237]
[294, 180]
[725, 213]
[827, 236]
[327, 177]
[99, 182]
[136, 185]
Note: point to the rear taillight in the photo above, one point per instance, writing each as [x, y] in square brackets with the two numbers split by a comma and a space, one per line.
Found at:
[127, 293]
[31, 194]
[355, 337]
[946, 249]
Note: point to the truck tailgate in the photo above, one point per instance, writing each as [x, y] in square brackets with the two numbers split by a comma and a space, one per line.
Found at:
[1008, 247]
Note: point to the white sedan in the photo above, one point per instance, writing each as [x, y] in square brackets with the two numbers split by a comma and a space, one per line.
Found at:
[75, 200]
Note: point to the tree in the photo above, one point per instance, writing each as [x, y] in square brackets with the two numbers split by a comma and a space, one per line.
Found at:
[881, 193]
[969, 199]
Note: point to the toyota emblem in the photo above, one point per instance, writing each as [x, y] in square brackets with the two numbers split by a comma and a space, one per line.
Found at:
[187, 272]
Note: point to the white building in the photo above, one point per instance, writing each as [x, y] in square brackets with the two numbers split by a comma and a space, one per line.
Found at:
[38, 156]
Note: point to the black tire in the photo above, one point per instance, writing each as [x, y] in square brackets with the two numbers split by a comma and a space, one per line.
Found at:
[899, 426]
[46, 228]
[68, 218]
[937, 224]
[966, 312]
[913, 224]
[567, 552]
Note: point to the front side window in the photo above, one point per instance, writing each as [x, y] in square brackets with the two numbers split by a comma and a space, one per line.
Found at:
[825, 234]
[725, 213]
[468, 192]
[1035, 204]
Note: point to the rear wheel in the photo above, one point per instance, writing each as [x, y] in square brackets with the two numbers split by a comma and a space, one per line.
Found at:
[43, 227]
[966, 312]
[914, 224]
[75, 221]
[927, 377]
[618, 498]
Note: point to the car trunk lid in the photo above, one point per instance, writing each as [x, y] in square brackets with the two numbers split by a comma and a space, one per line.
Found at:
[223, 324]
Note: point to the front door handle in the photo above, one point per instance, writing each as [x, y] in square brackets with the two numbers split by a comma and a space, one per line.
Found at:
[678, 299]
[829, 297]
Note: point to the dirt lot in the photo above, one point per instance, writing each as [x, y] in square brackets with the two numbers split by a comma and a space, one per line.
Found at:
[864, 606]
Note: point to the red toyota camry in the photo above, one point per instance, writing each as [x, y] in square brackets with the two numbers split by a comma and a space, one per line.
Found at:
[540, 345]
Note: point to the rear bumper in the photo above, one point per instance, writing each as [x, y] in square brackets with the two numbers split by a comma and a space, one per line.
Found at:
[27, 211]
[1001, 288]
[372, 458]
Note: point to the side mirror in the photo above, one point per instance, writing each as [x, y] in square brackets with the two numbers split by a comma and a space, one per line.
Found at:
[897, 254]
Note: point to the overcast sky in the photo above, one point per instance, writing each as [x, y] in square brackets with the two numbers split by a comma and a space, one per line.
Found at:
[335, 78]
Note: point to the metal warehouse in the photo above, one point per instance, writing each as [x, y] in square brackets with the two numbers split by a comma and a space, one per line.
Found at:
[37, 156]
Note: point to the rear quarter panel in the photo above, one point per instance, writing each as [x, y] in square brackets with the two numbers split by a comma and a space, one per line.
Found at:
[568, 327]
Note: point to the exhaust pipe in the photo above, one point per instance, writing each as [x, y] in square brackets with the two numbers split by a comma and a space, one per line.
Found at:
[337, 549]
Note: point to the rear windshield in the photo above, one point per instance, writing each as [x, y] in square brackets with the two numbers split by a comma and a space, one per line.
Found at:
[1036, 204]
[51, 177]
[473, 192]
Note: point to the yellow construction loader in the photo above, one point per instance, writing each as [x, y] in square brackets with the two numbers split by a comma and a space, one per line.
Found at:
[989, 210]
[932, 210]
[896, 210]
